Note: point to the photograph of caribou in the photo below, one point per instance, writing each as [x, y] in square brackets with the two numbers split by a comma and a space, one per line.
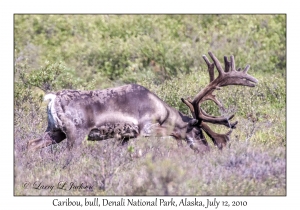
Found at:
[150, 105]
[132, 110]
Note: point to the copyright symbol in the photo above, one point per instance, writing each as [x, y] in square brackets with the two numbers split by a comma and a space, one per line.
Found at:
[26, 185]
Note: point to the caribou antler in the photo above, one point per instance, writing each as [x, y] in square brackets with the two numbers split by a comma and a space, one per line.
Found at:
[230, 76]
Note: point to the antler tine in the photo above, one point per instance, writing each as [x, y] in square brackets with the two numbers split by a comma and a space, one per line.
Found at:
[232, 63]
[217, 63]
[190, 105]
[246, 69]
[213, 98]
[211, 67]
[197, 113]
[219, 140]
[217, 120]
[227, 64]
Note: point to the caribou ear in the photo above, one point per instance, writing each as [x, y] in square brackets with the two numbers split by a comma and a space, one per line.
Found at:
[193, 122]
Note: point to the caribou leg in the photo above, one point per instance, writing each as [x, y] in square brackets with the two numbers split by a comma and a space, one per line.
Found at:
[75, 136]
[49, 137]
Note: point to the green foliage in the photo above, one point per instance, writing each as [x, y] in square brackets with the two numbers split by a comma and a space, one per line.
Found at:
[125, 48]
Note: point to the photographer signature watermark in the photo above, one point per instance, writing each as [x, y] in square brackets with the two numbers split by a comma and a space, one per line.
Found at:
[62, 185]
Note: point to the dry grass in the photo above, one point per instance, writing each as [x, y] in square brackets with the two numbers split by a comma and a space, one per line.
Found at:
[152, 166]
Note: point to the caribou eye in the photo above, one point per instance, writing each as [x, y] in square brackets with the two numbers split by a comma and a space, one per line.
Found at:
[193, 122]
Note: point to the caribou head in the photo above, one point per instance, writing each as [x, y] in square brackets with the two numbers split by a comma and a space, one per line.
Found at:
[229, 76]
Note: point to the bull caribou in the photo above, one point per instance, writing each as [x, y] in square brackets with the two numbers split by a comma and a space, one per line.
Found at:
[132, 110]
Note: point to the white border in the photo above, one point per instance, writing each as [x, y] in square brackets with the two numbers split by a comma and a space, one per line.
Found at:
[8, 8]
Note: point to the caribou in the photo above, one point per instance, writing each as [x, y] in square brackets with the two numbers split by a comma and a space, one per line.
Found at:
[132, 110]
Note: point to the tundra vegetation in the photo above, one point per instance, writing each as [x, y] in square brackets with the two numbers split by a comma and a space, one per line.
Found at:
[164, 54]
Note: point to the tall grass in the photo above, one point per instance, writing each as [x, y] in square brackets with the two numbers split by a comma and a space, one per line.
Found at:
[252, 164]
[154, 166]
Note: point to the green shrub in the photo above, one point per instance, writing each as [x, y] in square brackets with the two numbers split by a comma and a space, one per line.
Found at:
[125, 47]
